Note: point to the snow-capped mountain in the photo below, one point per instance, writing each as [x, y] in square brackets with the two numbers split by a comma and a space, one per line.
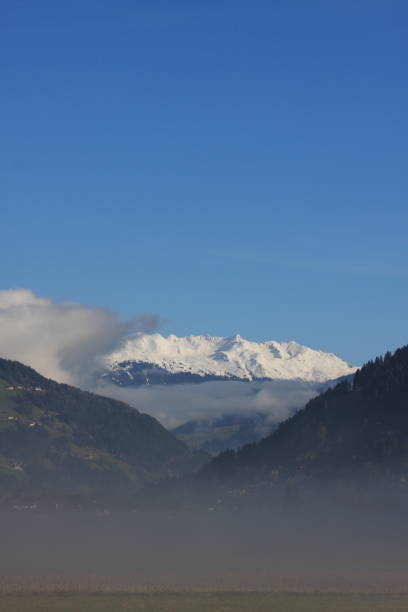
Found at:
[248, 387]
[153, 358]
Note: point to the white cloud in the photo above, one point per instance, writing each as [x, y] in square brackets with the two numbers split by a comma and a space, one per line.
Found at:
[61, 340]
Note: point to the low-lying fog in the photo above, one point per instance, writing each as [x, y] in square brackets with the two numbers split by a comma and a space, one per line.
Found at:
[208, 546]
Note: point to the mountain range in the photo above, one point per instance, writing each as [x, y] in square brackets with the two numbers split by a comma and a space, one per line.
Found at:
[280, 378]
[58, 441]
[147, 359]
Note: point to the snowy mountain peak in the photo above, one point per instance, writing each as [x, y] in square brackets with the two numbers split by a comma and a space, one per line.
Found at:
[230, 357]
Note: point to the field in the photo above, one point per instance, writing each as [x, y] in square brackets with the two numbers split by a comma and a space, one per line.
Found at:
[311, 562]
[203, 602]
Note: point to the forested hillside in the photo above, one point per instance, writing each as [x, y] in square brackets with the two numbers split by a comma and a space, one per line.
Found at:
[56, 438]
[352, 429]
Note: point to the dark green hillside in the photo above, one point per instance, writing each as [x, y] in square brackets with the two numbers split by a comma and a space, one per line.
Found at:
[359, 429]
[54, 437]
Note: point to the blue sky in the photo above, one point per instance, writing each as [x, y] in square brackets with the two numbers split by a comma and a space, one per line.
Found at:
[232, 166]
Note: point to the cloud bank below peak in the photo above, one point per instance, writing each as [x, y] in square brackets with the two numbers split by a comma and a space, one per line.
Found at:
[174, 405]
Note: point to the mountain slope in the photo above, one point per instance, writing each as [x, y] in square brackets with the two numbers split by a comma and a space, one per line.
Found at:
[154, 359]
[351, 429]
[54, 437]
[229, 431]
[235, 429]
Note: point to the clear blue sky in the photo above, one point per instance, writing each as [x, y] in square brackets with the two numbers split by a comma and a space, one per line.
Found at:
[233, 166]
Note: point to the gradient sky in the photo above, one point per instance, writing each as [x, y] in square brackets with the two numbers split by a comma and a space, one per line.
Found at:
[232, 166]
